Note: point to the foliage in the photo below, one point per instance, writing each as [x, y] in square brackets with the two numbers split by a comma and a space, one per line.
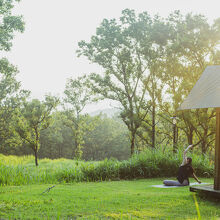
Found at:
[10, 92]
[150, 65]
[9, 24]
[193, 45]
[56, 140]
[34, 117]
[77, 96]
[117, 49]
[109, 138]
[11, 97]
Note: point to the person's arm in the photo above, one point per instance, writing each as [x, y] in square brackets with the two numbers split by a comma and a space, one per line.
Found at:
[184, 155]
[196, 178]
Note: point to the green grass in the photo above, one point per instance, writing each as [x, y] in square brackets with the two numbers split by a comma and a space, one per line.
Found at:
[16, 170]
[135, 199]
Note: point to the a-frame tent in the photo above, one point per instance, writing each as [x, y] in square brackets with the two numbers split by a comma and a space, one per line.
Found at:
[206, 94]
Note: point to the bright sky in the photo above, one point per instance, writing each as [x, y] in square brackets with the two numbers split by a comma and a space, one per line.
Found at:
[45, 52]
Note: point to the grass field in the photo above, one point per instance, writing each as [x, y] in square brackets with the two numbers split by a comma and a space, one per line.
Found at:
[135, 199]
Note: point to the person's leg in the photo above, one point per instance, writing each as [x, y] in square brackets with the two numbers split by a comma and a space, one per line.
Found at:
[185, 183]
[172, 183]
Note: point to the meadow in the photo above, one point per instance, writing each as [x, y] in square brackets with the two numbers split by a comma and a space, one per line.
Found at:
[108, 189]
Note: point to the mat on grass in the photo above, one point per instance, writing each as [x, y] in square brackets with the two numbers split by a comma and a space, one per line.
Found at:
[163, 186]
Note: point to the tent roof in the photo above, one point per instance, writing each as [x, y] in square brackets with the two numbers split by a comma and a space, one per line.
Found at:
[206, 92]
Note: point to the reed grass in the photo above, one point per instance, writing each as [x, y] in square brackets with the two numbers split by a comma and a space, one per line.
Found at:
[16, 170]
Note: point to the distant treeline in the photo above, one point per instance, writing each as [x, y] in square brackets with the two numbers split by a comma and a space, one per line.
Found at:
[110, 138]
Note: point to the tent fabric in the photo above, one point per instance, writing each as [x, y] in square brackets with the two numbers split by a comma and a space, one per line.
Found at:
[206, 92]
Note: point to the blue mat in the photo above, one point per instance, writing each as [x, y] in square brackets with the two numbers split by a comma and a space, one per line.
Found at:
[163, 186]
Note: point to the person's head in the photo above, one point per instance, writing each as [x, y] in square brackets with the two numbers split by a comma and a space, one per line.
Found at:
[189, 160]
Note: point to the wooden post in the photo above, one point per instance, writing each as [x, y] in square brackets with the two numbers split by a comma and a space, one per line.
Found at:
[217, 151]
[174, 138]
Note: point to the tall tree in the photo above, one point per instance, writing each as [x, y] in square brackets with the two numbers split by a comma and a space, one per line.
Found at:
[153, 44]
[117, 48]
[196, 44]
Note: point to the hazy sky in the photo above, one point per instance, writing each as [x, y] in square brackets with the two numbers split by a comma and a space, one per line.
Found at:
[45, 52]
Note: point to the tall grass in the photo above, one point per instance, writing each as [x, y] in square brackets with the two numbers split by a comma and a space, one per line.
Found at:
[22, 170]
[151, 163]
[148, 164]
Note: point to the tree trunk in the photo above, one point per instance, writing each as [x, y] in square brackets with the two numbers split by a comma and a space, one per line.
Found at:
[190, 137]
[36, 146]
[153, 126]
[35, 154]
[50, 152]
[132, 143]
[174, 138]
[60, 151]
[203, 143]
[76, 146]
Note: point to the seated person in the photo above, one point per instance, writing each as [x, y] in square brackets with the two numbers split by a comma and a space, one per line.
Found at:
[184, 172]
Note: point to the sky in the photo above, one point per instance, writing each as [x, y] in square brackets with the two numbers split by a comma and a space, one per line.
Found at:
[45, 53]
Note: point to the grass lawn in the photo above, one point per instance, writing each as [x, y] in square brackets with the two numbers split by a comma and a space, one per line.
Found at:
[104, 200]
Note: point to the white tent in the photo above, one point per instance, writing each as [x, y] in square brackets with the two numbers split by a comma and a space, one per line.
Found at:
[206, 92]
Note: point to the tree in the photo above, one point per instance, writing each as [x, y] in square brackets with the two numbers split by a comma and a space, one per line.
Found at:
[11, 97]
[153, 44]
[51, 139]
[110, 138]
[193, 45]
[57, 140]
[10, 93]
[77, 96]
[9, 24]
[117, 48]
[8, 89]
[34, 117]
